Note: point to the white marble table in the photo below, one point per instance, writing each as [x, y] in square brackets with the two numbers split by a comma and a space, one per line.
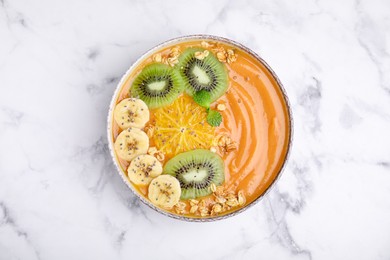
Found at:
[60, 197]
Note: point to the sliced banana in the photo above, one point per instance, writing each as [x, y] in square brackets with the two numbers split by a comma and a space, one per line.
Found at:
[131, 143]
[164, 191]
[143, 169]
[131, 112]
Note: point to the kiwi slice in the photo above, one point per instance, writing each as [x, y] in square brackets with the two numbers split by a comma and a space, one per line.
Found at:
[157, 85]
[196, 170]
[208, 74]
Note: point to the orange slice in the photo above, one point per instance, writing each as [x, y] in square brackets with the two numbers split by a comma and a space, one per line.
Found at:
[181, 127]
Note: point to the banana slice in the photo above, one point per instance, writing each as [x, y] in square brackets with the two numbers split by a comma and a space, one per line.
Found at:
[131, 112]
[143, 169]
[131, 143]
[164, 191]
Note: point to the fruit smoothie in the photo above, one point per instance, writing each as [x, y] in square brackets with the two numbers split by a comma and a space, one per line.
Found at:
[216, 133]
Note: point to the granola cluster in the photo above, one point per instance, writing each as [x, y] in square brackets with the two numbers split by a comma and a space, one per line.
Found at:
[171, 59]
[180, 208]
[200, 55]
[156, 153]
[225, 144]
[224, 55]
[227, 56]
[221, 201]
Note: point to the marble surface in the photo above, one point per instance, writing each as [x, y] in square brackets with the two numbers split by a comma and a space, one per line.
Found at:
[60, 197]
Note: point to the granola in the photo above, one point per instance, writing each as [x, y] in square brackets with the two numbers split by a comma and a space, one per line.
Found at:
[227, 56]
[241, 198]
[222, 201]
[160, 156]
[205, 44]
[152, 151]
[180, 208]
[194, 209]
[221, 107]
[200, 55]
[171, 59]
[217, 208]
[156, 153]
[157, 57]
[226, 144]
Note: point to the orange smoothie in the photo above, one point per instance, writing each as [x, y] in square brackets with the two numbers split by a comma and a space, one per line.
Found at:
[255, 117]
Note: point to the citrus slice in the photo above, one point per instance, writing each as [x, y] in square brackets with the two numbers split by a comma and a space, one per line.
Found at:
[181, 127]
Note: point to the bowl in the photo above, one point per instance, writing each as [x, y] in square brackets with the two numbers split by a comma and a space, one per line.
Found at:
[171, 43]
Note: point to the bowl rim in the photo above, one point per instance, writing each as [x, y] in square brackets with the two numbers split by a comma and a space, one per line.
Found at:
[135, 64]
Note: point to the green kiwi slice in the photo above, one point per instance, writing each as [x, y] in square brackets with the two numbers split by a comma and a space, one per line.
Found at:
[157, 85]
[208, 74]
[196, 170]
